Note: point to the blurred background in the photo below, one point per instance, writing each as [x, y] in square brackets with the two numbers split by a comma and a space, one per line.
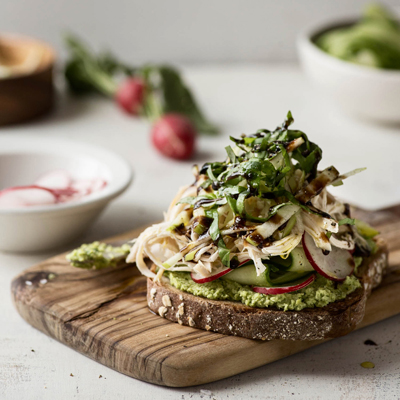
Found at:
[179, 31]
[245, 64]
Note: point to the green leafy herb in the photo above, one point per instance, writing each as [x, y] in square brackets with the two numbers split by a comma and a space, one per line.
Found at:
[231, 154]
[262, 165]
[210, 173]
[223, 251]
[233, 204]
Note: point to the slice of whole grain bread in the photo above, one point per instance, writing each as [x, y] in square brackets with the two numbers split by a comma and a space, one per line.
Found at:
[234, 318]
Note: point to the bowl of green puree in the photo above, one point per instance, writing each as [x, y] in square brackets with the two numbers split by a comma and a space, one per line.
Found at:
[355, 62]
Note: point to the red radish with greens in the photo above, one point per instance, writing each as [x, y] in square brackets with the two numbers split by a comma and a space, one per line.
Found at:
[148, 90]
[130, 95]
[336, 265]
[174, 136]
[300, 284]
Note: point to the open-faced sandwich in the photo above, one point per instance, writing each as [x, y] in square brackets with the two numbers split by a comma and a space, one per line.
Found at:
[257, 247]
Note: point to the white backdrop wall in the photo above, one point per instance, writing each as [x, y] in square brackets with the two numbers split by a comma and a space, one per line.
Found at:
[179, 31]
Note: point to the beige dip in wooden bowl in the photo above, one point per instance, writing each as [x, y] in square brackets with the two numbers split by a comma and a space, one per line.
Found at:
[26, 78]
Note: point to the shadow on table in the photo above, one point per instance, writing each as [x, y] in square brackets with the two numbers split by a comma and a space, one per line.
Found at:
[337, 360]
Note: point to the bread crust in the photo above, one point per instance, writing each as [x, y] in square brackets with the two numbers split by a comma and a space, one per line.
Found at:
[234, 318]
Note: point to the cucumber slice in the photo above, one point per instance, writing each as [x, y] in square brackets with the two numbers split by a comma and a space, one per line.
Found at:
[248, 276]
[288, 277]
[294, 267]
[300, 262]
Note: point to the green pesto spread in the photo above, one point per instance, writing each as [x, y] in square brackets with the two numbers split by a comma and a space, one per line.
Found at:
[320, 293]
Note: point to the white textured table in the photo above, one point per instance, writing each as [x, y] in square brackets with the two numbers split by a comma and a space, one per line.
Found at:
[240, 99]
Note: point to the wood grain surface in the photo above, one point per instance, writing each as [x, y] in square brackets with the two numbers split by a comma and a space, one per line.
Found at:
[104, 315]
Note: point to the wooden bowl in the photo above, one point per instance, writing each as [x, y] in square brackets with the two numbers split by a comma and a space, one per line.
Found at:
[26, 78]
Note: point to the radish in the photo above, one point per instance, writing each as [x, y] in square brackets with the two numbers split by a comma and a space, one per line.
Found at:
[58, 179]
[286, 289]
[23, 196]
[174, 136]
[201, 279]
[98, 184]
[82, 187]
[336, 266]
[130, 95]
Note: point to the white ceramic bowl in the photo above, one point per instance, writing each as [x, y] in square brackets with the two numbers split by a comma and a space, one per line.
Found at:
[359, 90]
[39, 228]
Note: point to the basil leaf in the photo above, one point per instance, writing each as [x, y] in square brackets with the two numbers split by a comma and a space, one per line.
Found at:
[286, 157]
[231, 154]
[240, 202]
[232, 204]
[206, 184]
[224, 253]
[214, 229]
[210, 173]
[249, 140]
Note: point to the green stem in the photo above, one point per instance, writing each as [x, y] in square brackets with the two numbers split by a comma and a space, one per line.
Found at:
[104, 83]
[152, 107]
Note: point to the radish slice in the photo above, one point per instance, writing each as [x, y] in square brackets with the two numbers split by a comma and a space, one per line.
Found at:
[201, 279]
[286, 289]
[88, 186]
[54, 187]
[98, 184]
[336, 266]
[23, 196]
[58, 179]
[83, 186]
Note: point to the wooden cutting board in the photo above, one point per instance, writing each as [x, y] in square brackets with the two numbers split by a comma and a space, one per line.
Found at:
[104, 315]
